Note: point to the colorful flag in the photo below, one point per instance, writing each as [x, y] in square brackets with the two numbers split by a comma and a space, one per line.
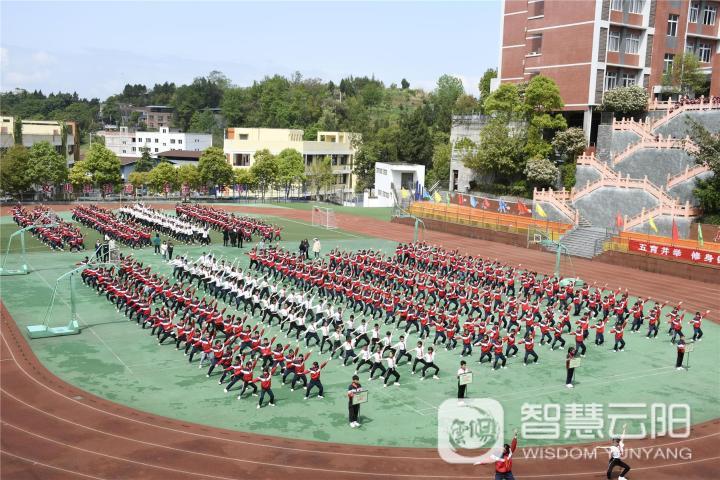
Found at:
[107, 188]
[675, 233]
[651, 222]
[473, 202]
[426, 195]
[522, 208]
[437, 197]
[87, 188]
[128, 188]
[460, 200]
[185, 189]
[502, 206]
[47, 188]
[540, 210]
[485, 203]
[701, 242]
[404, 193]
[447, 198]
[68, 187]
[619, 222]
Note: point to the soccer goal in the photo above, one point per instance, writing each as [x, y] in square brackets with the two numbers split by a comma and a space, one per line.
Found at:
[323, 217]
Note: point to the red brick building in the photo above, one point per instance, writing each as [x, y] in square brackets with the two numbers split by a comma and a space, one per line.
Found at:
[590, 46]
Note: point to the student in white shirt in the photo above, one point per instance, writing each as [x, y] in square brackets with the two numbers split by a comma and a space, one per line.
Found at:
[461, 371]
[430, 363]
[391, 370]
[617, 450]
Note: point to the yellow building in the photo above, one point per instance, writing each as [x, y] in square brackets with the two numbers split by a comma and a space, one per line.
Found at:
[241, 144]
[36, 131]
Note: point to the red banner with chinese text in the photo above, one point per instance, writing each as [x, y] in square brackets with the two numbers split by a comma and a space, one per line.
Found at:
[694, 255]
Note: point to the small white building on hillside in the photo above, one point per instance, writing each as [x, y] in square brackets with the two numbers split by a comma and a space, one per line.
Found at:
[390, 179]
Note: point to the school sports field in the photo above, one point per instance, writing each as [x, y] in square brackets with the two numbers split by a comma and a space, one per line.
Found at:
[115, 360]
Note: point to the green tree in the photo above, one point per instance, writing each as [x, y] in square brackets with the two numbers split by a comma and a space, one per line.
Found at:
[626, 101]
[264, 170]
[244, 177]
[541, 101]
[404, 84]
[320, 176]
[500, 153]
[505, 102]
[685, 75]
[46, 165]
[541, 172]
[214, 168]
[145, 163]
[202, 122]
[440, 171]
[291, 169]
[449, 89]
[164, 173]
[99, 167]
[708, 153]
[14, 178]
[138, 179]
[188, 175]
[484, 85]
[17, 131]
[569, 143]
[414, 142]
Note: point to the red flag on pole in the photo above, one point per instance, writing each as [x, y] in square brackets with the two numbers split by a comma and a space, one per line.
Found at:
[619, 222]
[459, 199]
[675, 233]
[522, 209]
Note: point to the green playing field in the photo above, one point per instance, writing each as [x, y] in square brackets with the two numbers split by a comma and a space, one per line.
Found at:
[117, 360]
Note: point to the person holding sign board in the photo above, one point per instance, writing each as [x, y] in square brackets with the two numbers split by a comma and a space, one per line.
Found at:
[355, 389]
[570, 364]
[464, 376]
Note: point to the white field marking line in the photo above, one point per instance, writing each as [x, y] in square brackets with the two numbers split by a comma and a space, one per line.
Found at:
[338, 230]
[211, 437]
[248, 461]
[558, 389]
[199, 453]
[53, 467]
[91, 330]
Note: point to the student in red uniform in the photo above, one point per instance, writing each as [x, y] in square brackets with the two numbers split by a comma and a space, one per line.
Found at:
[619, 331]
[503, 463]
[265, 387]
[696, 323]
[314, 380]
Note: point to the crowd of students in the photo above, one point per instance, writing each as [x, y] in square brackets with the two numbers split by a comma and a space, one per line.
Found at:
[685, 100]
[235, 229]
[128, 232]
[362, 308]
[51, 230]
[175, 227]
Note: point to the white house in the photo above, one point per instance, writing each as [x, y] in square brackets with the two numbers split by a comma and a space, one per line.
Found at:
[390, 179]
[125, 143]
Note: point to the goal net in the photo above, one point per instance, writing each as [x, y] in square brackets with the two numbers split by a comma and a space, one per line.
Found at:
[323, 217]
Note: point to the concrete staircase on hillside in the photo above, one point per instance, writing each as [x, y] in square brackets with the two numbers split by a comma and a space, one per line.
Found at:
[584, 240]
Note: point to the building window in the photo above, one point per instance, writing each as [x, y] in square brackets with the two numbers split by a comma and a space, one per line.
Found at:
[148, 140]
[636, 6]
[614, 41]
[132, 139]
[133, 149]
[242, 136]
[672, 25]
[632, 43]
[709, 14]
[535, 44]
[241, 160]
[617, 5]
[610, 80]
[180, 141]
[156, 150]
[157, 140]
[694, 12]
[627, 80]
[703, 52]
[124, 151]
[668, 62]
[172, 140]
